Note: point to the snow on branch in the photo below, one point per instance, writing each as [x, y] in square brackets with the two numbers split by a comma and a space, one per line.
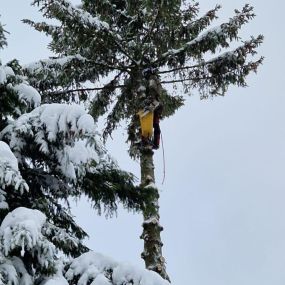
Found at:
[54, 72]
[77, 19]
[27, 94]
[21, 231]
[63, 72]
[64, 11]
[59, 131]
[194, 27]
[96, 268]
[61, 238]
[9, 174]
[212, 38]
[17, 84]
[216, 74]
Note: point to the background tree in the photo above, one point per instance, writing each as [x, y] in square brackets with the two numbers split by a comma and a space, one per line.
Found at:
[143, 45]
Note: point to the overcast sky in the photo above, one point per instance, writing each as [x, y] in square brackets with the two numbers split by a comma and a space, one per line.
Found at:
[222, 203]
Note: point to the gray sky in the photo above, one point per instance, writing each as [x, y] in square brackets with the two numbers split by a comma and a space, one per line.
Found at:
[222, 204]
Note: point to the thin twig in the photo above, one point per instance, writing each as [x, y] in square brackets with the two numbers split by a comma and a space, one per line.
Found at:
[186, 79]
[184, 67]
[83, 90]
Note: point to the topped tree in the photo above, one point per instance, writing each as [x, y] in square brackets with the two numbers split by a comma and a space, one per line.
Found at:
[141, 46]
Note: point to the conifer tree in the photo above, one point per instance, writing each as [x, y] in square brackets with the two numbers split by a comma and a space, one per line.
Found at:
[141, 47]
[49, 153]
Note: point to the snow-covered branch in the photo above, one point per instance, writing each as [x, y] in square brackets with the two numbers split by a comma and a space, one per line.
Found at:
[9, 174]
[58, 131]
[211, 39]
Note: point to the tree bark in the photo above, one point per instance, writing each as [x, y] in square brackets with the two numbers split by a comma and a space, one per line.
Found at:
[152, 253]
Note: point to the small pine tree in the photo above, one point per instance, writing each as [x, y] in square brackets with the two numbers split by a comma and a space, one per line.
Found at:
[145, 45]
[49, 153]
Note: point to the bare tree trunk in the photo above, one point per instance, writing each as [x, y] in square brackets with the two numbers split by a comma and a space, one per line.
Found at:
[152, 253]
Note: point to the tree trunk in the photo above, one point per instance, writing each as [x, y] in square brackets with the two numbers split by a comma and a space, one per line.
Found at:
[152, 253]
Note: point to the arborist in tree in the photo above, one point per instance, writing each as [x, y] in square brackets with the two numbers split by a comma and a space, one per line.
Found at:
[150, 117]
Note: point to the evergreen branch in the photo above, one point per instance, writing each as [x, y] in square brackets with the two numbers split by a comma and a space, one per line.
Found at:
[209, 40]
[64, 11]
[122, 50]
[180, 68]
[237, 55]
[151, 28]
[47, 75]
[117, 113]
[3, 41]
[253, 66]
[193, 28]
[108, 186]
[48, 29]
[184, 80]
[104, 98]
[216, 81]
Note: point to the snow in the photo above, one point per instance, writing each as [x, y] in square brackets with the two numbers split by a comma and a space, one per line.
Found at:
[9, 173]
[88, 266]
[126, 273]
[18, 264]
[151, 185]
[9, 270]
[73, 157]
[86, 124]
[23, 220]
[210, 32]
[151, 220]
[66, 119]
[28, 94]
[5, 72]
[100, 270]
[2, 75]
[7, 157]
[101, 280]
[22, 228]
[55, 280]
[3, 204]
[48, 63]
[87, 18]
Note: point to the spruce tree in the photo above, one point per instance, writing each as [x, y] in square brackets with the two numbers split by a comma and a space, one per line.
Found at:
[50, 153]
[142, 47]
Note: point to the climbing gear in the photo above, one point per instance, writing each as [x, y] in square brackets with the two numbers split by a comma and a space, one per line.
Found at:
[147, 72]
[156, 128]
[146, 120]
[149, 121]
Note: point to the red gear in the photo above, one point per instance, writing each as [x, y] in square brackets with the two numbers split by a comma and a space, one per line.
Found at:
[156, 128]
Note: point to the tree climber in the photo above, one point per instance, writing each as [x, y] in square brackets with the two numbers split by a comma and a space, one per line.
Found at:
[151, 115]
